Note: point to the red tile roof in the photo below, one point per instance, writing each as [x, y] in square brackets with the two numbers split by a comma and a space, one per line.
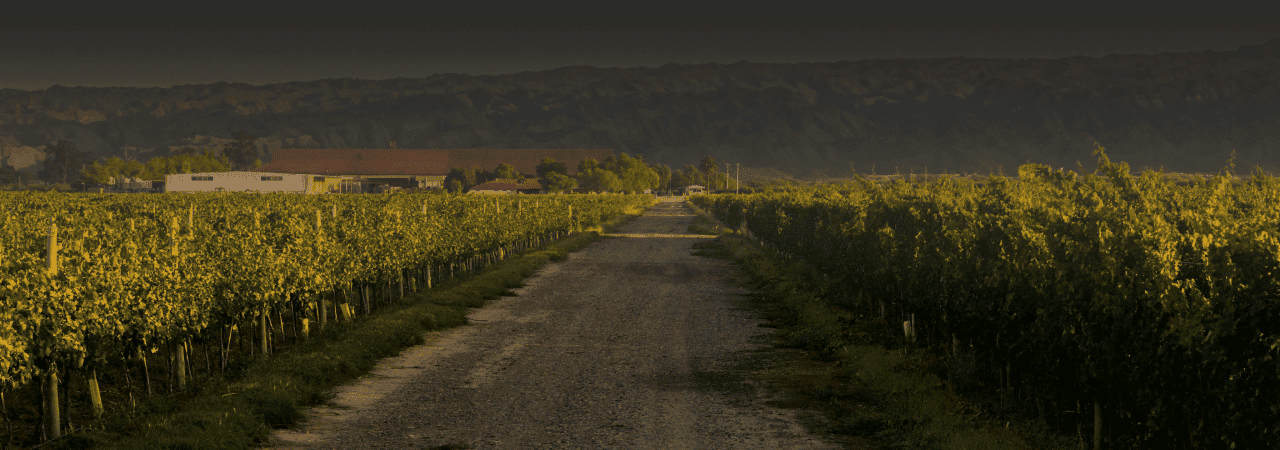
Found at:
[389, 161]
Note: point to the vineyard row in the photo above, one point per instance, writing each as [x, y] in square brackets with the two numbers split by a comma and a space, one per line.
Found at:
[1157, 303]
[88, 280]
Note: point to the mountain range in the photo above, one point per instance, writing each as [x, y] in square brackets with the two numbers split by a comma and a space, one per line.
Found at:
[1184, 112]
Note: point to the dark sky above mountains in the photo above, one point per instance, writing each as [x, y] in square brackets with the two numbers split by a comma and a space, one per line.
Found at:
[108, 47]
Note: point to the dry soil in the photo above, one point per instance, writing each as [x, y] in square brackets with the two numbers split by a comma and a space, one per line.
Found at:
[631, 343]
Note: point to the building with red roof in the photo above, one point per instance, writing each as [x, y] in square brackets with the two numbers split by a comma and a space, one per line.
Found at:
[420, 168]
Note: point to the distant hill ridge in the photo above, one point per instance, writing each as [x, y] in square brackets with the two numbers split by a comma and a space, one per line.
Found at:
[1183, 111]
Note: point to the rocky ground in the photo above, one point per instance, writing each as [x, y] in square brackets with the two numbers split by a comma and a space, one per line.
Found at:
[631, 343]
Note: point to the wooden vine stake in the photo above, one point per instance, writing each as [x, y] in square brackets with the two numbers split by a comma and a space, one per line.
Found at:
[180, 360]
[344, 308]
[52, 255]
[1097, 425]
[264, 330]
[52, 415]
[95, 396]
[321, 312]
[909, 328]
[181, 369]
[263, 317]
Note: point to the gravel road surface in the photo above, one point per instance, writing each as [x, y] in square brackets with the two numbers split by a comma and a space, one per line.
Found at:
[631, 343]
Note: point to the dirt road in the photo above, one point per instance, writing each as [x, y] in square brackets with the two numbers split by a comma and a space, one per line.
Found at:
[631, 343]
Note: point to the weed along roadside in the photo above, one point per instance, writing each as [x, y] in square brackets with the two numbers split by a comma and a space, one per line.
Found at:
[273, 392]
[631, 342]
[874, 386]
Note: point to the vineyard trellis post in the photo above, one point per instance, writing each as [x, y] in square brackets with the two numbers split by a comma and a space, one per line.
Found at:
[4, 410]
[321, 310]
[364, 291]
[180, 370]
[1097, 425]
[146, 370]
[52, 418]
[178, 328]
[263, 329]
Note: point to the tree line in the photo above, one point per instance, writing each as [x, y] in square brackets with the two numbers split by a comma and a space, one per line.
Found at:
[66, 164]
[620, 174]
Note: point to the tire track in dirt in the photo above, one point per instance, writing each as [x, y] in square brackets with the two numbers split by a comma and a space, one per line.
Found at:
[630, 343]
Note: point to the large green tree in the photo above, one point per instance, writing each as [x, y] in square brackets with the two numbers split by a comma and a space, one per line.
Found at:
[708, 167]
[63, 161]
[155, 168]
[635, 176]
[554, 176]
[549, 165]
[599, 180]
[679, 180]
[100, 173]
[664, 176]
[559, 183]
[587, 163]
[505, 170]
[241, 151]
[692, 175]
[456, 180]
[9, 174]
[460, 179]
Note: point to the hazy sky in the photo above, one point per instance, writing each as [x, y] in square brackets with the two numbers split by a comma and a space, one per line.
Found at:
[101, 48]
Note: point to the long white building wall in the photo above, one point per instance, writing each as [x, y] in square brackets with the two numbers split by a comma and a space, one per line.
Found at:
[236, 182]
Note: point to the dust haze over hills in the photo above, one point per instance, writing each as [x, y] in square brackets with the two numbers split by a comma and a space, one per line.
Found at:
[1184, 112]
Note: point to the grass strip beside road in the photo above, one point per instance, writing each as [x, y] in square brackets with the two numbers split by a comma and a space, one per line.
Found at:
[272, 393]
[874, 389]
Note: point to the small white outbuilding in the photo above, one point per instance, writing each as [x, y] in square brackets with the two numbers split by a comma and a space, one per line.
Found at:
[248, 181]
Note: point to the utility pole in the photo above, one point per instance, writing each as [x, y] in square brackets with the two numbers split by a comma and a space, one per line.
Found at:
[726, 176]
[737, 178]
